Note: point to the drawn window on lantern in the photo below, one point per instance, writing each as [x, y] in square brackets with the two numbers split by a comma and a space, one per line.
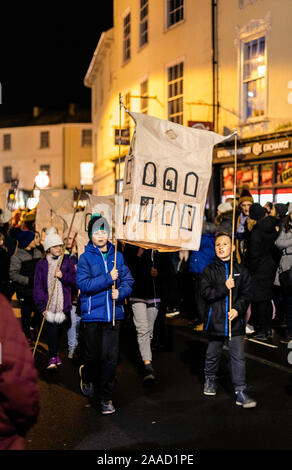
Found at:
[188, 217]
[191, 184]
[129, 169]
[149, 175]
[146, 209]
[170, 180]
[168, 212]
[126, 212]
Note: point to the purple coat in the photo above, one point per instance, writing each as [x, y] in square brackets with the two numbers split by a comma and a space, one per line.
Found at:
[40, 291]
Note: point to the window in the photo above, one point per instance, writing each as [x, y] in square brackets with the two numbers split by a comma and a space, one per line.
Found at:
[127, 38]
[127, 102]
[143, 22]
[86, 138]
[149, 175]
[45, 139]
[170, 180]
[175, 93]
[7, 174]
[175, 12]
[144, 101]
[254, 78]
[7, 142]
[45, 168]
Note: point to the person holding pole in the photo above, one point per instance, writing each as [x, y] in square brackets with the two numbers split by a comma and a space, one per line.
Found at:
[104, 281]
[226, 319]
[54, 280]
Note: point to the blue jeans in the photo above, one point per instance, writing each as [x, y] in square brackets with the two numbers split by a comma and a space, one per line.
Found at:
[73, 331]
[237, 359]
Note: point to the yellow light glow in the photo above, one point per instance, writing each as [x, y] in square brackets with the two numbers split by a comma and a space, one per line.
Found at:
[261, 70]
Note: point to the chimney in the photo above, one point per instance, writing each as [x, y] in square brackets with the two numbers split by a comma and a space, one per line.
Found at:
[36, 111]
[72, 109]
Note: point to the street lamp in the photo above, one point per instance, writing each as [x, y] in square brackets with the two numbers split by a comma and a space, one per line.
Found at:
[42, 179]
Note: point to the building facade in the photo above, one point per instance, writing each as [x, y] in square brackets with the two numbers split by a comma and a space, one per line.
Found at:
[62, 150]
[219, 65]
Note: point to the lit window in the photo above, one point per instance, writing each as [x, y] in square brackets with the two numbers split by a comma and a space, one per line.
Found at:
[254, 78]
[127, 38]
[143, 22]
[175, 12]
[144, 93]
[45, 140]
[175, 93]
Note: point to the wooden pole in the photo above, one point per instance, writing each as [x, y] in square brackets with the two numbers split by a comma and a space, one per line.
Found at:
[58, 267]
[233, 226]
[119, 185]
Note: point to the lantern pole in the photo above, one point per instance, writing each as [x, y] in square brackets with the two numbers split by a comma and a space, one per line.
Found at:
[233, 225]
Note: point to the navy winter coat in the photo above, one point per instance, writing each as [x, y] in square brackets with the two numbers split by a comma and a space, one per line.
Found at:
[95, 283]
[215, 292]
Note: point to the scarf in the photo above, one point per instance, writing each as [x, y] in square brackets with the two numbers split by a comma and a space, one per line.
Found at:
[55, 312]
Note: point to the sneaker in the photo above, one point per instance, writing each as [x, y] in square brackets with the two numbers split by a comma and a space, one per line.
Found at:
[199, 327]
[148, 373]
[242, 399]
[107, 407]
[287, 338]
[172, 312]
[70, 355]
[86, 388]
[249, 329]
[58, 361]
[210, 386]
[52, 363]
[261, 336]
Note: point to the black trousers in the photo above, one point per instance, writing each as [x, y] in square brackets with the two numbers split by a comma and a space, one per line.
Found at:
[54, 334]
[27, 307]
[101, 340]
[261, 315]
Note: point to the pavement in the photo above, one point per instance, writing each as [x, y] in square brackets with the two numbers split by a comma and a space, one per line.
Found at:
[173, 415]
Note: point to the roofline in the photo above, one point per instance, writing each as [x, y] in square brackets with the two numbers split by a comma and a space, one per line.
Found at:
[105, 35]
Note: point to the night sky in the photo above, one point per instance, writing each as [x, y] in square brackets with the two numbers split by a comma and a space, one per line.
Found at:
[46, 49]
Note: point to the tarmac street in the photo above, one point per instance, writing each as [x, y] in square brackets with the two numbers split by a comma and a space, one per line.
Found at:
[172, 414]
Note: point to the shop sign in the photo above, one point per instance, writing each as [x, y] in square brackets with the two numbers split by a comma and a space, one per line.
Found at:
[286, 176]
[255, 149]
[125, 136]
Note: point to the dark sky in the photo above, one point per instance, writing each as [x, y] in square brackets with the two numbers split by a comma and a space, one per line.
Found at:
[46, 48]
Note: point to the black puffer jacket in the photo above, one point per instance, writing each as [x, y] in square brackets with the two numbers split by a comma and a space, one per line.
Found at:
[22, 269]
[262, 257]
[215, 292]
[145, 285]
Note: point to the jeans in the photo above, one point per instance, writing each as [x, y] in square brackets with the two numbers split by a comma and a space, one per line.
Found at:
[73, 331]
[144, 317]
[237, 359]
[101, 341]
[54, 333]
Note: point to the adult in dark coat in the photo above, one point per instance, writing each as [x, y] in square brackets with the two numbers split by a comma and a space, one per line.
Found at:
[19, 396]
[262, 265]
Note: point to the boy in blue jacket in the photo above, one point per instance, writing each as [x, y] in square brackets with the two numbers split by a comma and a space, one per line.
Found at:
[95, 278]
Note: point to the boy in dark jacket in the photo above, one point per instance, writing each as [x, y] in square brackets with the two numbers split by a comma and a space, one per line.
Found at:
[95, 278]
[215, 286]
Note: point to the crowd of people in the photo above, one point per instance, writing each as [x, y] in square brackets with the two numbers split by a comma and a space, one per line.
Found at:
[94, 292]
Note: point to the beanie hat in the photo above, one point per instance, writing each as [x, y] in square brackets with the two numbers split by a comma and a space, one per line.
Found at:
[5, 216]
[256, 211]
[290, 207]
[52, 239]
[24, 238]
[245, 195]
[225, 207]
[281, 209]
[97, 222]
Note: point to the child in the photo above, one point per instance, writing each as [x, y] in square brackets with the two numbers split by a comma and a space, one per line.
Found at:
[60, 304]
[22, 271]
[95, 279]
[215, 286]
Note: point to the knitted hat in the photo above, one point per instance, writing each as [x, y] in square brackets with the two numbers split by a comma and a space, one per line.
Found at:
[5, 216]
[52, 239]
[245, 195]
[24, 238]
[281, 209]
[225, 207]
[256, 211]
[97, 222]
[290, 208]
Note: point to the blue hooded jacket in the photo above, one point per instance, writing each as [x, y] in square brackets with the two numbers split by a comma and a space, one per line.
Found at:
[206, 254]
[94, 280]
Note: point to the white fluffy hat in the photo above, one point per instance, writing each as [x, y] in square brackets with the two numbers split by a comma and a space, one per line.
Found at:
[225, 207]
[5, 216]
[52, 239]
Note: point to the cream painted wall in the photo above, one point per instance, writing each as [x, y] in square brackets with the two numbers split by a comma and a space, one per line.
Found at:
[75, 153]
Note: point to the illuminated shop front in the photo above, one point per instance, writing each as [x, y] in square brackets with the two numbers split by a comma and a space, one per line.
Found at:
[264, 165]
